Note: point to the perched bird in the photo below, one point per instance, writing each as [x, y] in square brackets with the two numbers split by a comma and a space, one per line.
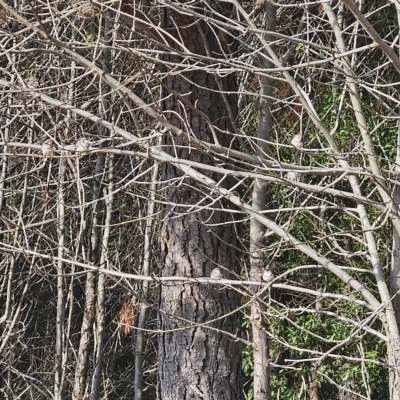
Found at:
[32, 82]
[82, 145]
[216, 273]
[256, 316]
[293, 176]
[47, 148]
[267, 275]
[297, 141]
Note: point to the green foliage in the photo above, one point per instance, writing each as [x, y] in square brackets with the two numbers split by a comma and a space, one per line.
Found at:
[247, 361]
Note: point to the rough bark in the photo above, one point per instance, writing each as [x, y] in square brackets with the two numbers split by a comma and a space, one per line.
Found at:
[197, 362]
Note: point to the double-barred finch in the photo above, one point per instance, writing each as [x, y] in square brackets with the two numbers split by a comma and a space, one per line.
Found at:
[293, 176]
[82, 145]
[267, 275]
[297, 141]
[32, 82]
[216, 273]
[47, 148]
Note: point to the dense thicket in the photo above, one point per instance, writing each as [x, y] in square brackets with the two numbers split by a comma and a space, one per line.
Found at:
[199, 200]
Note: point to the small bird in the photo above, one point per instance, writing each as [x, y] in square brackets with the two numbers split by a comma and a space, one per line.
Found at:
[268, 275]
[293, 176]
[32, 82]
[82, 145]
[47, 148]
[297, 141]
[216, 273]
[256, 316]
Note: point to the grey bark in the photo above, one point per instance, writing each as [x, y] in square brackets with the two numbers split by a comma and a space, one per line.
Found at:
[261, 381]
[94, 255]
[195, 362]
[100, 309]
[85, 340]
[60, 321]
[140, 335]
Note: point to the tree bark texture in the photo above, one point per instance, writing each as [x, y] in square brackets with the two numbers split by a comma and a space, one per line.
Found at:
[197, 360]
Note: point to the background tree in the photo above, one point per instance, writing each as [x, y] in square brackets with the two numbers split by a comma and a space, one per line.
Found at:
[196, 356]
[136, 124]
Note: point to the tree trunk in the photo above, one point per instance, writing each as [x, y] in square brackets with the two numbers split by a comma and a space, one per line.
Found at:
[197, 360]
[261, 380]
